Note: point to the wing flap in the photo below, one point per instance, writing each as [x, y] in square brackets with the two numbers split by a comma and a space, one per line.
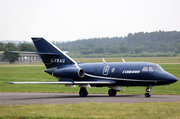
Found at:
[91, 82]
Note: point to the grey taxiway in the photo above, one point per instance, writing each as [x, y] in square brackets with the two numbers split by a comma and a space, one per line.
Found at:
[64, 98]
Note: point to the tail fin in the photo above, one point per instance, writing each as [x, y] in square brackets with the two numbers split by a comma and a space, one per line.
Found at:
[50, 54]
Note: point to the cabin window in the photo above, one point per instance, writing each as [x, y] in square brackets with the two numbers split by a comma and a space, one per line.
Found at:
[151, 69]
[113, 69]
[145, 69]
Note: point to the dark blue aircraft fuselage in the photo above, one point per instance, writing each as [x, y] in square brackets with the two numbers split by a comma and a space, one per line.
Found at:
[125, 74]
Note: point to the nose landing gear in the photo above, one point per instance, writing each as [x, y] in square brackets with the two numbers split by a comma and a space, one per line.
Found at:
[148, 90]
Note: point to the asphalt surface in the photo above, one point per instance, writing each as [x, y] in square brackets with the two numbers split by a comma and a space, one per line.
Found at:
[62, 98]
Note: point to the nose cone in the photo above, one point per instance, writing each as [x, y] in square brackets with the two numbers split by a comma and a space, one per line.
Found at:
[171, 78]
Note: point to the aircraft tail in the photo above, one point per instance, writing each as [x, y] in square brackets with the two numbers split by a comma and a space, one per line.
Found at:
[50, 54]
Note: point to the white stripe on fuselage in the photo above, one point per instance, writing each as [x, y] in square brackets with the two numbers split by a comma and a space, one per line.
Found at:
[120, 79]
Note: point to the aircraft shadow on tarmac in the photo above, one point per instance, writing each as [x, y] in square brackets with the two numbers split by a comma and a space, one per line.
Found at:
[77, 97]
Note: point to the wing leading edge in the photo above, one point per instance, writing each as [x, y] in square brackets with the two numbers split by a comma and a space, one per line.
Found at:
[64, 82]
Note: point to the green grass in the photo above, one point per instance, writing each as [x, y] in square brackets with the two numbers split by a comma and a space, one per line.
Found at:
[141, 110]
[133, 59]
[109, 55]
[35, 72]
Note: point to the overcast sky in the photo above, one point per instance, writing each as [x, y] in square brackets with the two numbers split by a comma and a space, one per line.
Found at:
[67, 20]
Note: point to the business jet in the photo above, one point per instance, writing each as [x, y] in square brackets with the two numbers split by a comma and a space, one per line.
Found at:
[113, 75]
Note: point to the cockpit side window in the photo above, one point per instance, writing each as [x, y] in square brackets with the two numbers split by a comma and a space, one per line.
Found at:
[145, 69]
[158, 68]
[151, 69]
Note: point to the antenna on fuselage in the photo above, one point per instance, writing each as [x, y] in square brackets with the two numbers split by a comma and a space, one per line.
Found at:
[123, 60]
[103, 60]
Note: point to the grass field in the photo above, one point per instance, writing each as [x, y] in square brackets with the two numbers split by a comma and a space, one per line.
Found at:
[35, 72]
[133, 59]
[93, 110]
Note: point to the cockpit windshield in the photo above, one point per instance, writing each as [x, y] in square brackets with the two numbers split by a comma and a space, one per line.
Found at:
[158, 68]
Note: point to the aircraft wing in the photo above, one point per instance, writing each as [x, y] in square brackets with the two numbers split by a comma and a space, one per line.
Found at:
[64, 82]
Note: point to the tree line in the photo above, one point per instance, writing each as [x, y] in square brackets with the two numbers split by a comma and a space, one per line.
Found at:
[137, 43]
[159, 41]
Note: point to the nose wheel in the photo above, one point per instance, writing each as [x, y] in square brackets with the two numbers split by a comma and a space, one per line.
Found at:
[148, 90]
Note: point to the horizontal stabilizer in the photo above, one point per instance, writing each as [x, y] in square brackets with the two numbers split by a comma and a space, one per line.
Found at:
[38, 53]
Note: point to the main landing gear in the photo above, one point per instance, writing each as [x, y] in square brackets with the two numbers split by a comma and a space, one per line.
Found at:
[148, 90]
[83, 92]
[112, 92]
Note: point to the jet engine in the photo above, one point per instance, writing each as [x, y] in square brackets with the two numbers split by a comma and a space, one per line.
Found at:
[69, 73]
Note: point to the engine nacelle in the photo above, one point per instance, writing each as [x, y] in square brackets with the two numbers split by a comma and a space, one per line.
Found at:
[69, 73]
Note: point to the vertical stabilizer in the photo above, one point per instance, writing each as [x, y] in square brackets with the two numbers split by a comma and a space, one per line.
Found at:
[50, 54]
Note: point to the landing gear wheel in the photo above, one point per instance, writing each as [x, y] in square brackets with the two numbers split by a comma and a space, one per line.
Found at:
[112, 92]
[147, 95]
[148, 90]
[83, 92]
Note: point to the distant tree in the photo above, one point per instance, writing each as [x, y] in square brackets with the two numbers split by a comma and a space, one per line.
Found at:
[86, 51]
[114, 49]
[1, 46]
[122, 43]
[123, 49]
[131, 52]
[155, 49]
[90, 45]
[171, 48]
[163, 47]
[150, 51]
[178, 48]
[26, 47]
[164, 42]
[106, 47]
[138, 50]
[99, 50]
[130, 39]
[11, 57]
[64, 48]
[72, 48]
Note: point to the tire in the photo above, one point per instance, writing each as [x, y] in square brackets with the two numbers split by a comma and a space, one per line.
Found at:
[112, 92]
[147, 95]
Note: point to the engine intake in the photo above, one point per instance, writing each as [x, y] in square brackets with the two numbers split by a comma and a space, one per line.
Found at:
[69, 73]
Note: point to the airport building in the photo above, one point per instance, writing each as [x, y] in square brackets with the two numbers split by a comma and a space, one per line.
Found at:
[24, 58]
[29, 58]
